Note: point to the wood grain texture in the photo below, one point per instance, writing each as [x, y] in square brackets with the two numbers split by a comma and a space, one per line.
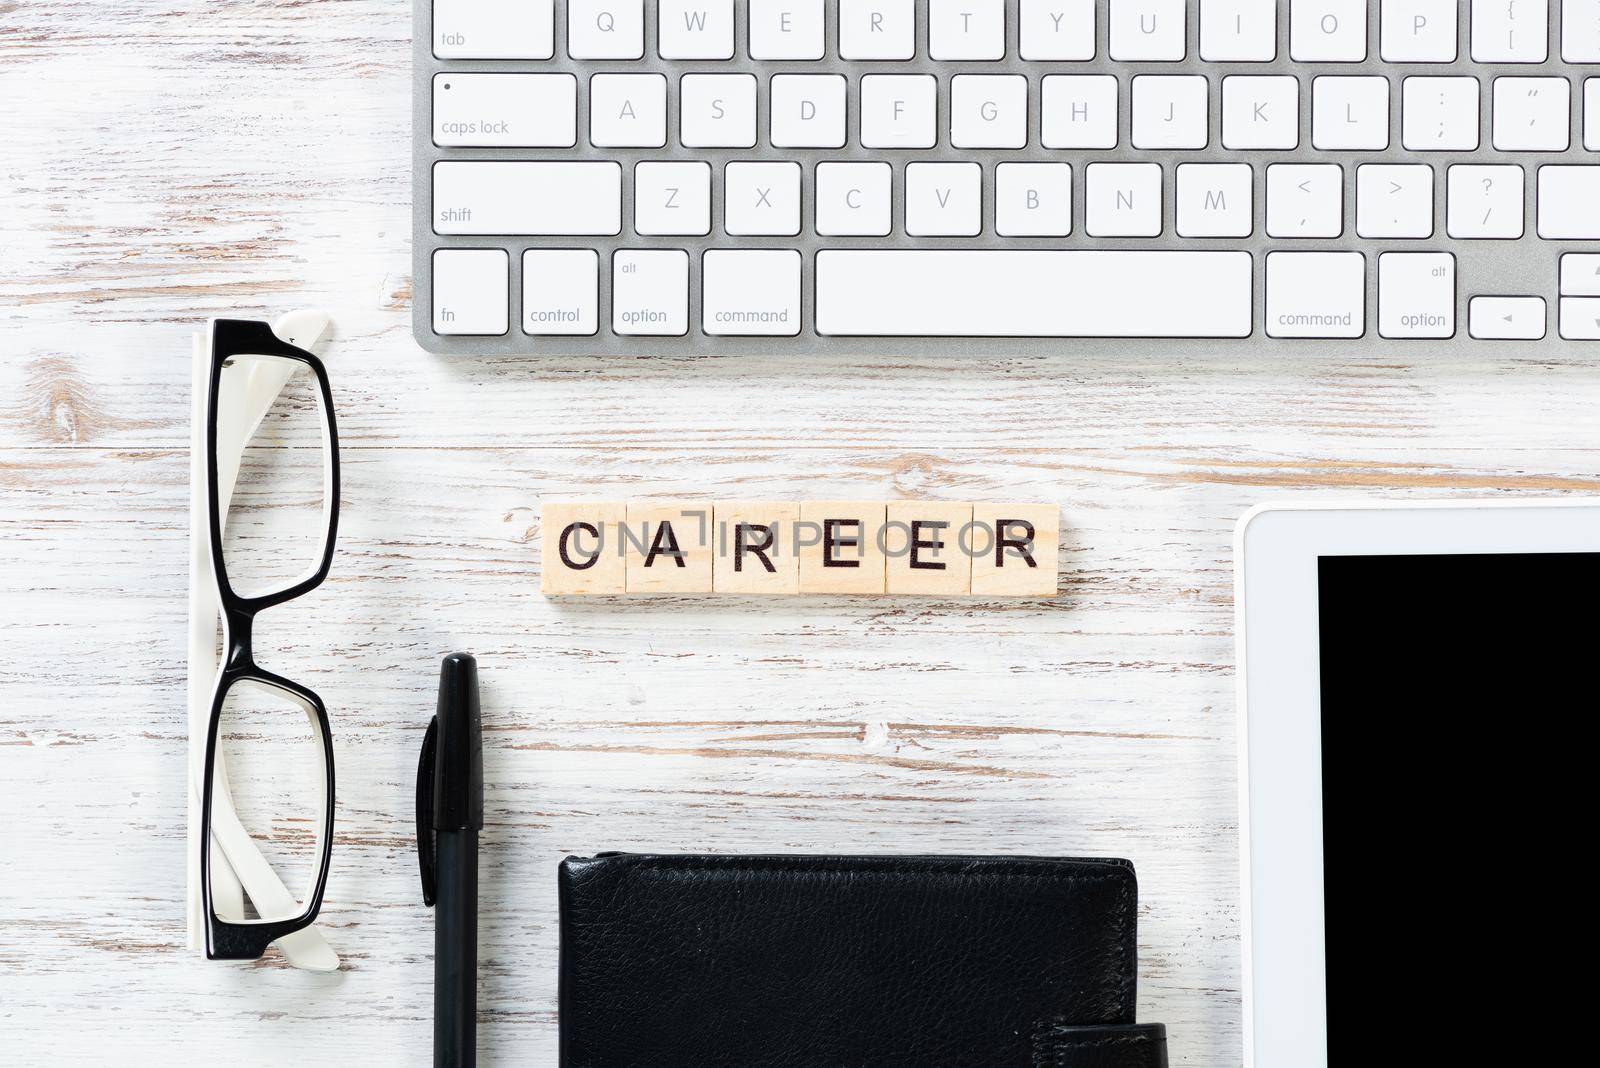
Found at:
[238, 157]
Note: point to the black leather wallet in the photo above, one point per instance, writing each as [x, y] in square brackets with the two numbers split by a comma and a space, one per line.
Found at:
[717, 961]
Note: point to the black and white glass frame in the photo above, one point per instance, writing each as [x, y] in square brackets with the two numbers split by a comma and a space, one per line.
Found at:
[248, 939]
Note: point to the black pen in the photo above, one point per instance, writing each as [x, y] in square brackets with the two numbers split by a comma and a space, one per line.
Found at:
[449, 815]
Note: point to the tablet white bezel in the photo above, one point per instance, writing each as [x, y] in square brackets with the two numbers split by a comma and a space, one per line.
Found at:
[1276, 547]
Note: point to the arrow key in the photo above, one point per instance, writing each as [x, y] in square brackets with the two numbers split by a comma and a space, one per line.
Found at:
[1580, 318]
[1506, 318]
[1580, 275]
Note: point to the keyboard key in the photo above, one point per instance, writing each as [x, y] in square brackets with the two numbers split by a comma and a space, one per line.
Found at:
[605, 29]
[989, 111]
[1316, 294]
[853, 199]
[944, 199]
[1510, 31]
[505, 110]
[560, 291]
[695, 29]
[967, 29]
[751, 292]
[897, 111]
[786, 29]
[672, 197]
[1169, 111]
[494, 29]
[1580, 318]
[1418, 31]
[1057, 29]
[1238, 31]
[650, 292]
[1569, 202]
[1580, 275]
[1328, 31]
[556, 197]
[1078, 111]
[1484, 201]
[878, 29]
[717, 110]
[1580, 31]
[628, 110]
[1394, 200]
[761, 198]
[1506, 318]
[1591, 114]
[808, 111]
[1215, 200]
[1350, 114]
[1530, 114]
[1261, 111]
[471, 287]
[1033, 199]
[1122, 199]
[1305, 200]
[1416, 295]
[1033, 293]
[1439, 114]
[1148, 30]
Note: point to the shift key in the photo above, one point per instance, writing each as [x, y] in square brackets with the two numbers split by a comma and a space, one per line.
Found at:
[569, 198]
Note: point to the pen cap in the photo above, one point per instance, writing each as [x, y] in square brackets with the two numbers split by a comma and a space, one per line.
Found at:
[458, 760]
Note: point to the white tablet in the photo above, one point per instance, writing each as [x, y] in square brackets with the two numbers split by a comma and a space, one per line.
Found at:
[1414, 682]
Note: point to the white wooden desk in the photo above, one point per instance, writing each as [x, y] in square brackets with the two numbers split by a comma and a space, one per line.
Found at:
[163, 165]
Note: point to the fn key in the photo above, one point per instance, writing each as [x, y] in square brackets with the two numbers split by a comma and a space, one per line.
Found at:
[471, 291]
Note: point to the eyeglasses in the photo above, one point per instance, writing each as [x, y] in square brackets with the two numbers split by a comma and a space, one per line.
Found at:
[272, 513]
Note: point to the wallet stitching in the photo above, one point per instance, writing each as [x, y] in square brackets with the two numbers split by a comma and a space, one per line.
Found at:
[1113, 1040]
[1053, 1056]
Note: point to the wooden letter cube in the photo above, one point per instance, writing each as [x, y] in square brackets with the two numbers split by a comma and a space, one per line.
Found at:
[1015, 549]
[582, 547]
[923, 548]
[841, 546]
[756, 547]
[669, 546]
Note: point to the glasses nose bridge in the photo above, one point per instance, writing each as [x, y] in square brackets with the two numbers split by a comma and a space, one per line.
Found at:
[239, 634]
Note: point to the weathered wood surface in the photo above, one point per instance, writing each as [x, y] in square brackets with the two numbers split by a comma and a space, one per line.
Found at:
[167, 164]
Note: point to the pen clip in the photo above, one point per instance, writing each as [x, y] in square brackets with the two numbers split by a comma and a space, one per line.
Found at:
[427, 859]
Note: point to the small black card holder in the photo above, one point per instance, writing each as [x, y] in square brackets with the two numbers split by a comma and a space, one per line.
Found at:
[716, 961]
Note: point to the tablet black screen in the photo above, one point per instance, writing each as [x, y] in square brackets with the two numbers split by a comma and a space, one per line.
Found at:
[1457, 697]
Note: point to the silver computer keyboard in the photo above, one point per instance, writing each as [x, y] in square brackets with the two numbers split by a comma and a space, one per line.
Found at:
[927, 176]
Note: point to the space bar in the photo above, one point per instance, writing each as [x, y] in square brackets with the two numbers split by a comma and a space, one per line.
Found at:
[1032, 293]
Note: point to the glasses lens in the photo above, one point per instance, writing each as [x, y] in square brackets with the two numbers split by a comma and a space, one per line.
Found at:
[268, 794]
[272, 473]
